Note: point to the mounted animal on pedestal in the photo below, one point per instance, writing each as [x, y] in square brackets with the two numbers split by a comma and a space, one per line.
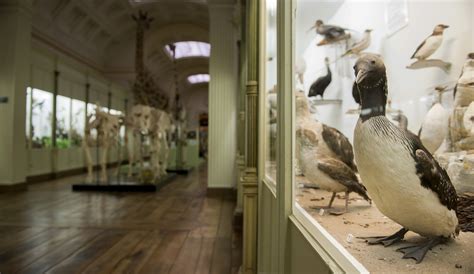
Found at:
[107, 128]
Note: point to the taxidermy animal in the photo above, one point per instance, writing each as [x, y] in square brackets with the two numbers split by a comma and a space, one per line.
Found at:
[402, 120]
[331, 142]
[434, 128]
[430, 44]
[464, 89]
[331, 174]
[320, 85]
[360, 46]
[401, 176]
[330, 32]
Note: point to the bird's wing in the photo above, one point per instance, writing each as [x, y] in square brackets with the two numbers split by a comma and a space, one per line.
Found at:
[419, 47]
[341, 173]
[433, 176]
[340, 145]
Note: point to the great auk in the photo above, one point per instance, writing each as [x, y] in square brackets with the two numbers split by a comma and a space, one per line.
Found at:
[430, 44]
[321, 84]
[401, 176]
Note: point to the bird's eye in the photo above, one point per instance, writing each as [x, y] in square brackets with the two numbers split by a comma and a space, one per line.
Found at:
[354, 67]
[372, 62]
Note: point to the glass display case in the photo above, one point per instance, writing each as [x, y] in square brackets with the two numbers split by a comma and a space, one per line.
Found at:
[41, 118]
[269, 69]
[63, 121]
[382, 93]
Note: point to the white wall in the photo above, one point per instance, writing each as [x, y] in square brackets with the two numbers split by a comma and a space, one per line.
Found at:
[409, 89]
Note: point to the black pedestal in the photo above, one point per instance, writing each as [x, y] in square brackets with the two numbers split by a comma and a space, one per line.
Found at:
[127, 186]
[180, 171]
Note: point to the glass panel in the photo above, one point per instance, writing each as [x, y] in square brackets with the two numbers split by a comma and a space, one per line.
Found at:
[198, 78]
[374, 150]
[78, 122]
[42, 118]
[270, 88]
[190, 49]
[28, 117]
[63, 121]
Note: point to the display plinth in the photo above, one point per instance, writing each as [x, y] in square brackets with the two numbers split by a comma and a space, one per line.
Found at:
[126, 186]
[445, 66]
[179, 170]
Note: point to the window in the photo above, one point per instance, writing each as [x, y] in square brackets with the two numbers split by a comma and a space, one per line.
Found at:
[270, 67]
[327, 112]
[41, 118]
[63, 121]
[78, 122]
[28, 117]
[190, 49]
[198, 78]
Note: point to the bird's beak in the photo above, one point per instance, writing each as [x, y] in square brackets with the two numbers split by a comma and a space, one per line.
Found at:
[312, 28]
[445, 26]
[361, 75]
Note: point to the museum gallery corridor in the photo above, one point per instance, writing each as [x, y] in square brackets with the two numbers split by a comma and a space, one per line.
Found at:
[176, 230]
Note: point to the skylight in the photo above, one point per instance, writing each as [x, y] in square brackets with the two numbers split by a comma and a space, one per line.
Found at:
[198, 78]
[190, 49]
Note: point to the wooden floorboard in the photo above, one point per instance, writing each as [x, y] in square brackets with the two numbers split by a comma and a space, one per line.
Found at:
[50, 229]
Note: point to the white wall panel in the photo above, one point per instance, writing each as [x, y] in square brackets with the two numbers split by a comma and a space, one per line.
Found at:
[222, 99]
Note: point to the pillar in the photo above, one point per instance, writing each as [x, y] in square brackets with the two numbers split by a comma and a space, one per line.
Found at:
[15, 48]
[222, 97]
[250, 177]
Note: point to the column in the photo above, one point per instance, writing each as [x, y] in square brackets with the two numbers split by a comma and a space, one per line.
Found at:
[222, 98]
[250, 177]
[15, 30]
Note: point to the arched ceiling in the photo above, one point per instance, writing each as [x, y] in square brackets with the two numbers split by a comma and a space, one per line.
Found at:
[101, 34]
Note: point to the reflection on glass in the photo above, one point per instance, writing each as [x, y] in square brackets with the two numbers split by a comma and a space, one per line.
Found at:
[78, 122]
[63, 121]
[270, 89]
[41, 118]
[420, 100]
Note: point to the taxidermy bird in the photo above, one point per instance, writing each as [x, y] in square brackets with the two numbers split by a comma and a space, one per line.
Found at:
[331, 142]
[330, 32]
[401, 176]
[330, 174]
[434, 128]
[320, 85]
[360, 46]
[464, 89]
[402, 120]
[430, 44]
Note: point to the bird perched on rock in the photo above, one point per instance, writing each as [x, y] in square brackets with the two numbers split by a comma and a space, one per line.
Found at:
[404, 180]
[330, 174]
[320, 85]
[430, 44]
[360, 46]
[329, 32]
[464, 89]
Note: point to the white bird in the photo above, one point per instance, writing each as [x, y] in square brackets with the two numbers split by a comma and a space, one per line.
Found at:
[430, 44]
[361, 45]
[434, 128]
[401, 176]
[464, 89]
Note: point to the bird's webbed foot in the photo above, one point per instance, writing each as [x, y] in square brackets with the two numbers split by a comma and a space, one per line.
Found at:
[386, 240]
[419, 251]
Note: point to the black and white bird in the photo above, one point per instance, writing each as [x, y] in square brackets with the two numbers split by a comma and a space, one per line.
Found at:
[464, 89]
[329, 32]
[401, 176]
[330, 174]
[430, 44]
[361, 45]
[321, 84]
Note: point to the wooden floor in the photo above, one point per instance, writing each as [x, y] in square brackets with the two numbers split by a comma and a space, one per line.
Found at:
[50, 229]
